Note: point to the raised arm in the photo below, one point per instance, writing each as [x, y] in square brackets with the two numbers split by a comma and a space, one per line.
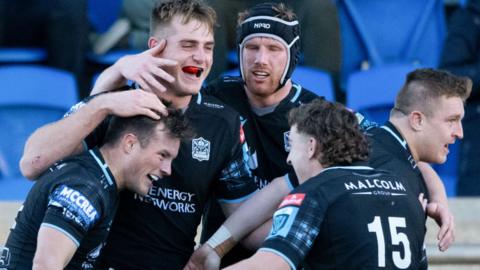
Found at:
[145, 68]
[54, 250]
[62, 138]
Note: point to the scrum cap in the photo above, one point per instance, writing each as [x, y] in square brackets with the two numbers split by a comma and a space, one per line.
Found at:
[261, 22]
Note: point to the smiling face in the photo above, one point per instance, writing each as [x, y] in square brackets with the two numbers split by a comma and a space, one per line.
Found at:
[441, 129]
[264, 62]
[151, 162]
[191, 44]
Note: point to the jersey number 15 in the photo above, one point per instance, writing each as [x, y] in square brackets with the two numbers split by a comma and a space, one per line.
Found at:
[398, 238]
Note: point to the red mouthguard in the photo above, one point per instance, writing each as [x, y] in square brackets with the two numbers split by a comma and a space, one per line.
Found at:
[193, 70]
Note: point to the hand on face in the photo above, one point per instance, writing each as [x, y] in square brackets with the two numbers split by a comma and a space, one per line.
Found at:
[148, 68]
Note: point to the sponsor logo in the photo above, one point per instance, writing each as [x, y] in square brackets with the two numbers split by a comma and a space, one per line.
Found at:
[261, 25]
[293, 199]
[169, 200]
[75, 206]
[380, 187]
[200, 149]
[278, 223]
[213, 105]
[286, 141]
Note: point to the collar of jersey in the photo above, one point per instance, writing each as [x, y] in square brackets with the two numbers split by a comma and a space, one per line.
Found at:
[95, 152]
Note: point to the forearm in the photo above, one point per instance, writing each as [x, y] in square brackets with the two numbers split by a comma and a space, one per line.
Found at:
[255, 239]
[110, 79]
[258, 209]
[435, 186]
[59, 139]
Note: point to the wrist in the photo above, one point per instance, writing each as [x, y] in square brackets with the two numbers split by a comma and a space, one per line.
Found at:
[222, 241]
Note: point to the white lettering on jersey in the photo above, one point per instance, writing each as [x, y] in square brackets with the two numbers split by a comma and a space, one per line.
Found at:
[169, 199]
[80, 201]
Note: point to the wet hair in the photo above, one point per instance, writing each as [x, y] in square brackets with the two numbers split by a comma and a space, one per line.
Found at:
[423, 86]
[176, 124]
[164, 11]
[335, 129]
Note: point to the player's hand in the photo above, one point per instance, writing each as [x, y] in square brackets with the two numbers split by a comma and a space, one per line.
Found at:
[204, 258]
[444, 218]
[147, 68]
[131, 103]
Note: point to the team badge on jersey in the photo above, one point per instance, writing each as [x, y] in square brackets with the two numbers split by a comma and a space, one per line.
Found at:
[286, 141]
[200, 149]
[283, 221]
[293, 199]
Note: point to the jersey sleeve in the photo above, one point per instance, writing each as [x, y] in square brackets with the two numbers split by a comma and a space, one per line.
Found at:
[236, 182]
[74, 209]
[296, 225]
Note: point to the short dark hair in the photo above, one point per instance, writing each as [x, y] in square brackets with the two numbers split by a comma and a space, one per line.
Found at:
[164, 11]
[335, 128]
[423, 85]
[176, 124]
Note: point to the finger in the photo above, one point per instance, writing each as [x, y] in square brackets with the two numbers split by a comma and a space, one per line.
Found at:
[154, 84]
[165, 62]
[163, 74]
[143, 84]
[151, 113]
[158, 49]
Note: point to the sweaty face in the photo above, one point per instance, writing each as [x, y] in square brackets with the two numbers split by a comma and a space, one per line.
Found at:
[152, 162]
[442, 128]
[264, 61]
[190, 44]
[298, 156]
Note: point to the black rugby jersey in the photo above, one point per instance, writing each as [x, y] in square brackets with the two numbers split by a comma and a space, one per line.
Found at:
[350, 217]
[267, 138]
[390, 152]
[77, 196]
[157, 231]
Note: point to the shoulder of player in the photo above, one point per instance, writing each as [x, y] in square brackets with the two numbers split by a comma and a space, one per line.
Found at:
[215, 109]
[223, 84]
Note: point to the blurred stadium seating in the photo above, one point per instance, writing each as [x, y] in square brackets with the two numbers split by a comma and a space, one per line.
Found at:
[32, 97]
[376, 33]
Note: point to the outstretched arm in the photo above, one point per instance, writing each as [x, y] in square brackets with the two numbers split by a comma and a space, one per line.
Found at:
[252, 217]
[437, 208]
[63, 138]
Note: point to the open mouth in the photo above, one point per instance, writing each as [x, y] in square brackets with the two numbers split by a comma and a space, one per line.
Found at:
[153, 177]
[197, 71]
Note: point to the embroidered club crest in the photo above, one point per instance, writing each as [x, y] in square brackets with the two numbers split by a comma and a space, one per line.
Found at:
[200, 149]
[286, 141]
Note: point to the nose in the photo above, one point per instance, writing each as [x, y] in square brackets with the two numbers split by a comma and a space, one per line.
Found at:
[289, 162]
[458, 132]
[166, 167]
[260, 56]
[200, 56]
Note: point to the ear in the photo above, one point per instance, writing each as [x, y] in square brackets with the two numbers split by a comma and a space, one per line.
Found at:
[152, 42]
[416, 120]
[313, 147]
[129, 142]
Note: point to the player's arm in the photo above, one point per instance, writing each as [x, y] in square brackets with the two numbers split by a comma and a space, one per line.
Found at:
[437, 208]
[62, 138]
[262, 260]
[253, 217]
[54, 249]
[145, 68]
